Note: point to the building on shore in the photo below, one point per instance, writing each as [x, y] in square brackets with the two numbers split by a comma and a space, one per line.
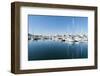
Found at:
[67, 37]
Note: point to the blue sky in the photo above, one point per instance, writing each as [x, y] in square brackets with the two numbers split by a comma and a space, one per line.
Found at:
[51, 25]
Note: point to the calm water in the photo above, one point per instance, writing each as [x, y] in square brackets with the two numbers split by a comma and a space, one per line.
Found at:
[51, 50]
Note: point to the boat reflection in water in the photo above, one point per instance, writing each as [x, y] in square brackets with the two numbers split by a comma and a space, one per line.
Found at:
[48, 48]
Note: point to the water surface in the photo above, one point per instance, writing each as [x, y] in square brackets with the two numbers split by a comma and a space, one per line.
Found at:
[51, 50]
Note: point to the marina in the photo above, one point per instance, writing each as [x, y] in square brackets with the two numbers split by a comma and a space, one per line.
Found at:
[63, 38]
[57, 37]
[57, 47]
